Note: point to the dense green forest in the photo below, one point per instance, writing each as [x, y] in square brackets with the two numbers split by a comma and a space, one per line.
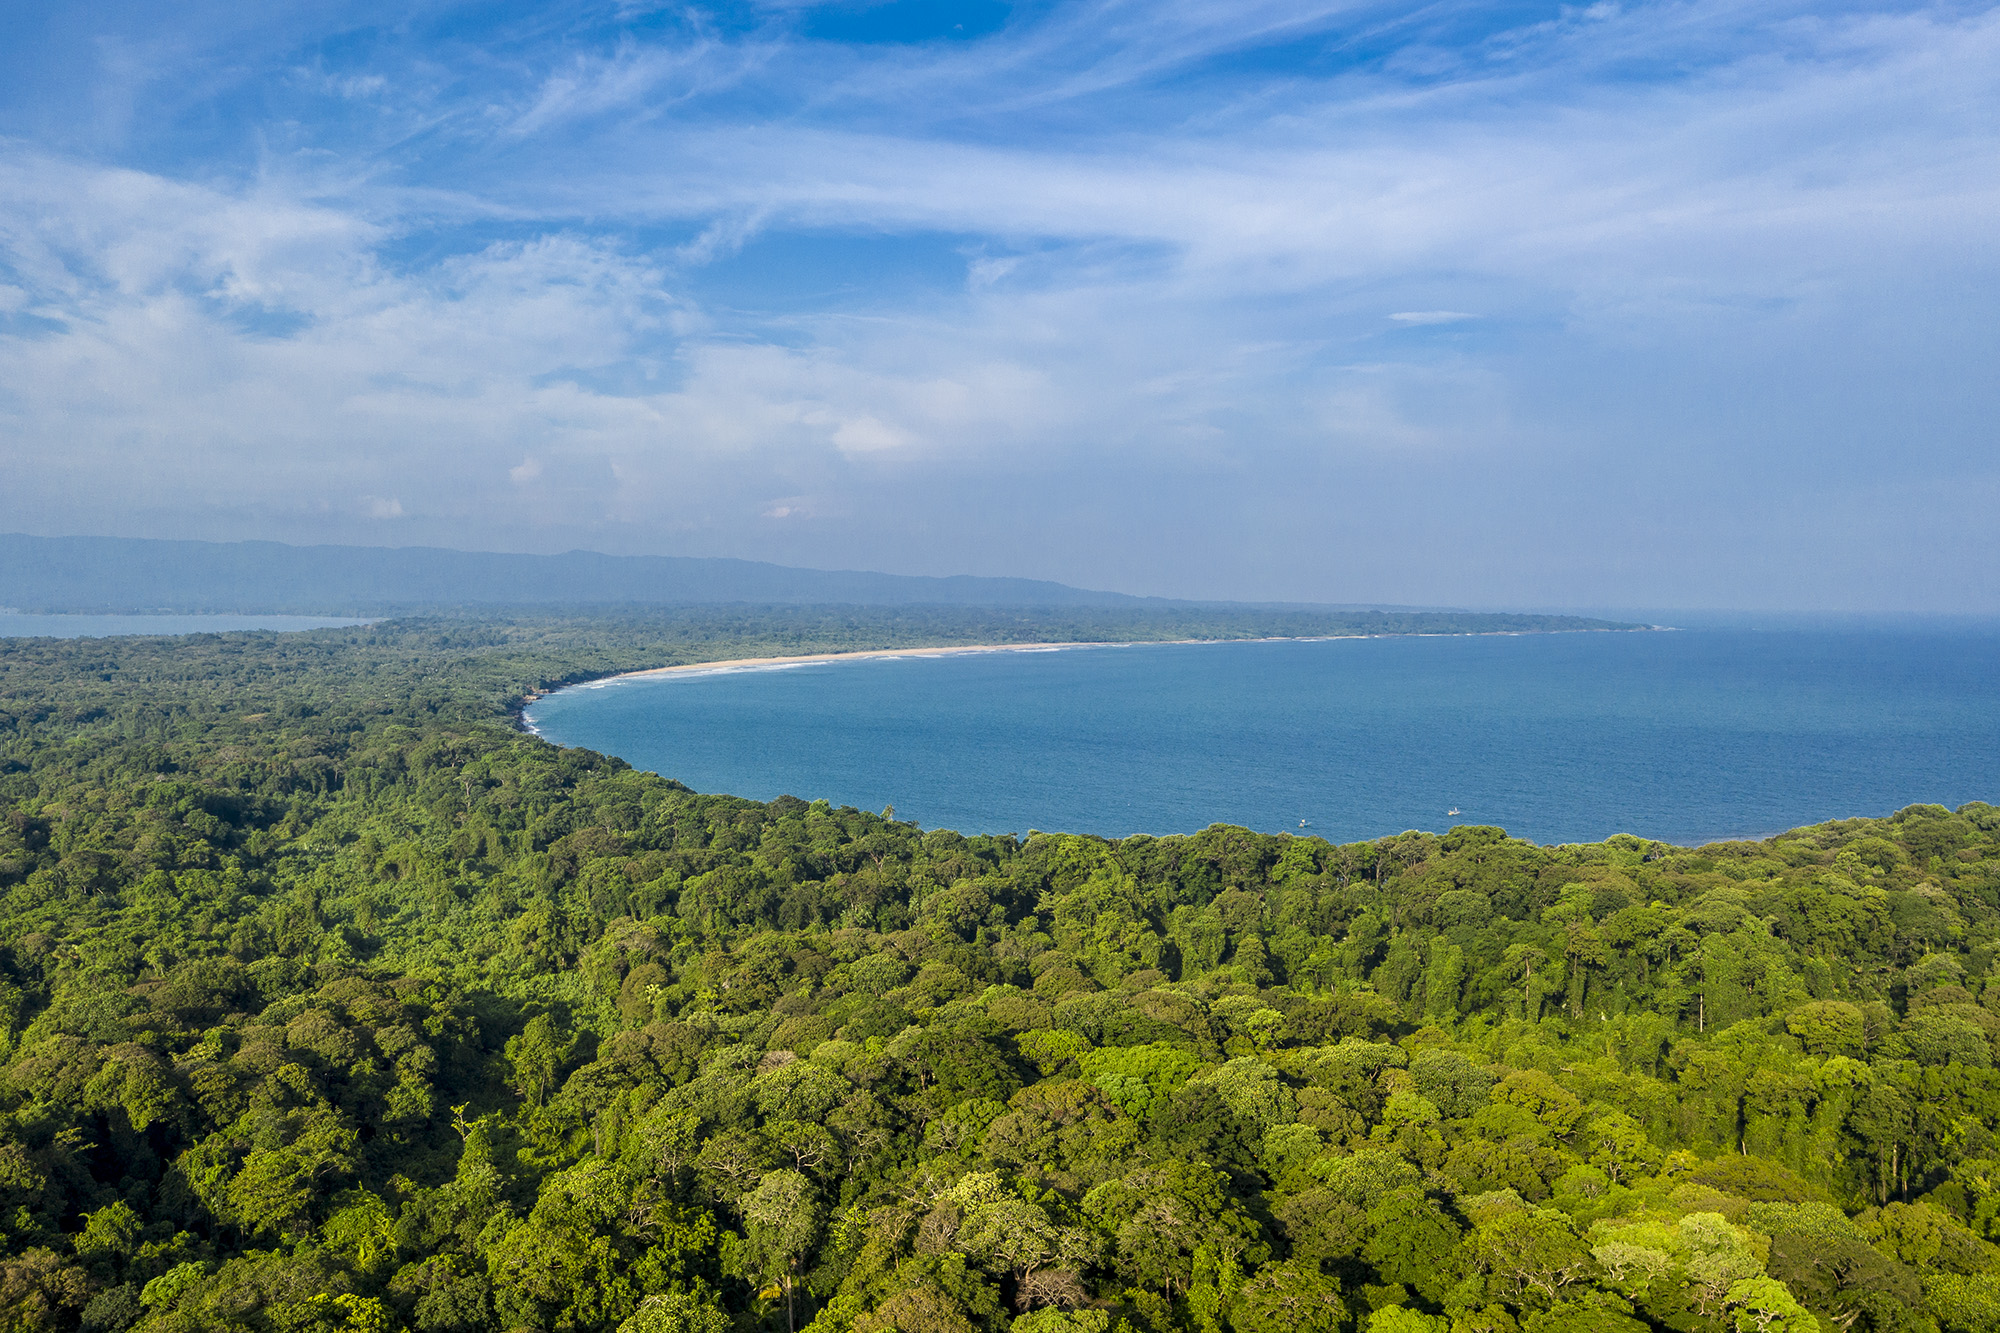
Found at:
[331, 1001]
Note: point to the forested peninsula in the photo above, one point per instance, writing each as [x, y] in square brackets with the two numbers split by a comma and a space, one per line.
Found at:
[330, 1000]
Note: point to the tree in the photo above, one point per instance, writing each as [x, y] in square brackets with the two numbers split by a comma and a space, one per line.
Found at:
[569, 1261]
[1450, 1082]
[1718, 1256]
[1541, 1097]
[677, 1312]
[1135, 1077]
[1443, 979]
[38, 1292]
[1400, 1319]
[1015, 1237]
[1618, 1146]
[812, 1147]
[1412, 1242]
[957, 1060]
[110, 1235]
[274, 1191]
[1827, 1027]
[536, 1056]
[1288, 1298]
[1762, 1305]
[1322, 1226]
[1532, 1254]
[1965, 1304]
[1525, 958]
[800, 1090]
[1063, 1321]
[781, 1219]
[1161, 1214]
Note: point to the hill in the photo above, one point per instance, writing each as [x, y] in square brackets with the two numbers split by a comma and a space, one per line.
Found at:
[112, 574]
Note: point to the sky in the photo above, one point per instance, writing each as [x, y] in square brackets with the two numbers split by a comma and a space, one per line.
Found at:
[1502, 304]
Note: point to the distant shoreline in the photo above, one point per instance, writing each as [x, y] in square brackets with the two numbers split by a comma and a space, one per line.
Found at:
[739, 663]
[807, 659]
[853, 655]
[951, 650]
[864, 654]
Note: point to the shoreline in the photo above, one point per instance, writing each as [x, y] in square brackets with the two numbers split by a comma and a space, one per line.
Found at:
[809, 659]
[955, 649]
[869, 654]
[952, 650]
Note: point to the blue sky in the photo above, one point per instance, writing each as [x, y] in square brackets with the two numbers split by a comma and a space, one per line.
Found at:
[1661, 305]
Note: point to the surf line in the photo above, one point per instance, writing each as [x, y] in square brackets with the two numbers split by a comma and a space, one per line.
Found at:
[734, 664]
[957, 649]
[870, 654]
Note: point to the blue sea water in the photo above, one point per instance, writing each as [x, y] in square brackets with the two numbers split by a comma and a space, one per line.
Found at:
[16, 625]
[1684, 736]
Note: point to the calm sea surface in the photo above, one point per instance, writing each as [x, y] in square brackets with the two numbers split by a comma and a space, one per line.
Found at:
[14, 625]
[1685, 736]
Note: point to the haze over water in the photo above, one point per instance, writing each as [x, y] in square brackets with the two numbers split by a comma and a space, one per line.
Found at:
[15, 625]
[1687, 736]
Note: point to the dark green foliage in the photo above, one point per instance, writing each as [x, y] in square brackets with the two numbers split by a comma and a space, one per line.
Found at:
[329, 1000]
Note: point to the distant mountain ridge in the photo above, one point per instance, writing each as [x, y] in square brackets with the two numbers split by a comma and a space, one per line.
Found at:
[127, 574]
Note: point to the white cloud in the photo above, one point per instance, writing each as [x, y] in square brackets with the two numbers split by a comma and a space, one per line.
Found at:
[866, 435]
[724, 236]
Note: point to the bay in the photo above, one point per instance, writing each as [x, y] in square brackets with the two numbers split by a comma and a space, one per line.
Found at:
[1683, 736]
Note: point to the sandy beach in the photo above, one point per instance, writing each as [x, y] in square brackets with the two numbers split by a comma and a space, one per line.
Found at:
[742, 663]
[805, 659]
[869, 654]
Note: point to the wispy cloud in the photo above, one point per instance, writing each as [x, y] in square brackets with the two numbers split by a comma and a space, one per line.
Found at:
[649, 81]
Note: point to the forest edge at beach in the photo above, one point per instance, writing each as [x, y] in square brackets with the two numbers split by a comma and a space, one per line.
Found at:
[957, 650]
[644, 641]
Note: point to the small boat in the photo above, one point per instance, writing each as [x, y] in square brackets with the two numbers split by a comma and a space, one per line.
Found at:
[1452, 811]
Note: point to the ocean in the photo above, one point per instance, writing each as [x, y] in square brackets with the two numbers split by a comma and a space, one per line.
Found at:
[1685, 736]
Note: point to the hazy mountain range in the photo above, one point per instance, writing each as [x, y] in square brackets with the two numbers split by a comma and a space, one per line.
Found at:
[122, 574]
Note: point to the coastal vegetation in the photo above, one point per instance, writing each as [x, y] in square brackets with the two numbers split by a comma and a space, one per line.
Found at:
[329, 1000]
